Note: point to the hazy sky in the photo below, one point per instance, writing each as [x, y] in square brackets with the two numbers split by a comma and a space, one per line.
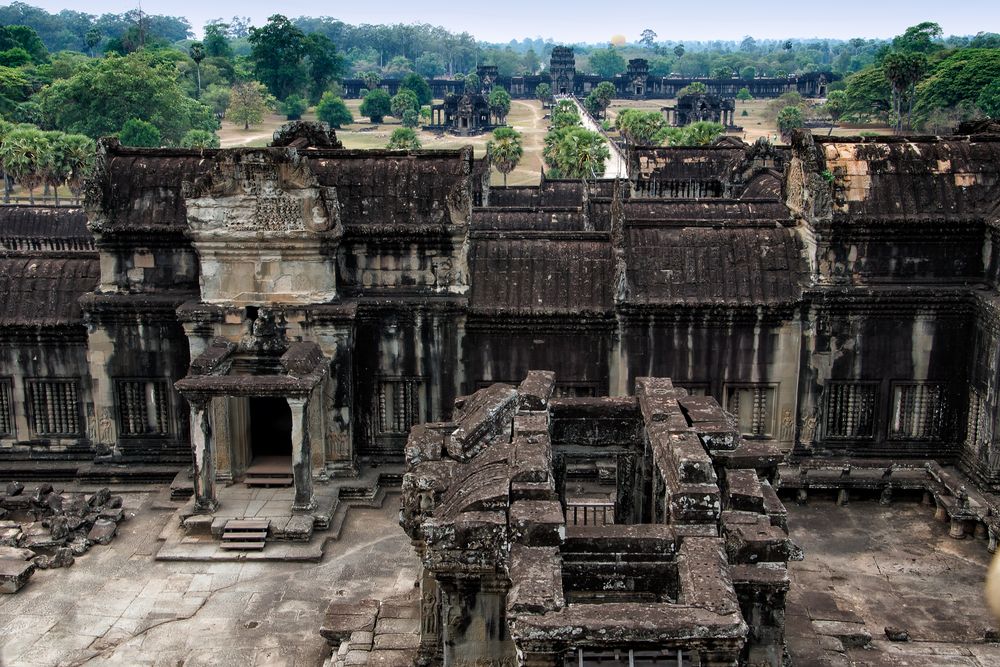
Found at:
[593, 21]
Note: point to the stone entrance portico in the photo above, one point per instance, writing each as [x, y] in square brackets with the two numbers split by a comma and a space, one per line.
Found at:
[217, 388]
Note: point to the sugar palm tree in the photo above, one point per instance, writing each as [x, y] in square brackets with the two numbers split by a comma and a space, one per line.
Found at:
[197, 53]
[505, 150]
[23, 155]
[79, 152]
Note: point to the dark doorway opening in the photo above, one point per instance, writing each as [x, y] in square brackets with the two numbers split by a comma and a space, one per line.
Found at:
[270, 428]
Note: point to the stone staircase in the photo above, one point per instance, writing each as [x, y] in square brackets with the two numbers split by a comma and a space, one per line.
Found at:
[245, 534]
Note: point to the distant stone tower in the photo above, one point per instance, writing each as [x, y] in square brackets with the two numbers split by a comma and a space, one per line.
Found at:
[637, 75]
[562, 69]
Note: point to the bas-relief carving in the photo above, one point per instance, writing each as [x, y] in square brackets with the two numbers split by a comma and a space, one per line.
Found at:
[807, 431]
[787, 424]
[261, 191]
[106, 428]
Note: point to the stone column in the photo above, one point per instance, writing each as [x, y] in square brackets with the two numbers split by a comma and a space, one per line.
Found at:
[205, 501]
[301, 456]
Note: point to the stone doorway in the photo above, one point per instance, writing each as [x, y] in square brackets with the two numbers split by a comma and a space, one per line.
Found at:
[270, 429]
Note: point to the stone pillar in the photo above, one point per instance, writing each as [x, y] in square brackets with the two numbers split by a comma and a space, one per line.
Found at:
[301, 456]
[205, 501]
[957, 529]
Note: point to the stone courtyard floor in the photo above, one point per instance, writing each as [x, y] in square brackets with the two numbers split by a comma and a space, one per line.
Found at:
[118, 606]
[867, 567]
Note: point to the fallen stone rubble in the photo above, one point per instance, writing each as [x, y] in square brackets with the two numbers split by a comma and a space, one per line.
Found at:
[48, 529]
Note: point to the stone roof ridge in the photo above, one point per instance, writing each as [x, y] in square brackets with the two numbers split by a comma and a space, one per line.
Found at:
[302, 134]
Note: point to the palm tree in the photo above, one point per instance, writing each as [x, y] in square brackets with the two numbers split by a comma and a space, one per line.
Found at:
[23, 155]
[903, 70]
[583, 154]
[79, 152]
[505, 150]
[54, 169]
[5, 127]
[197, 53]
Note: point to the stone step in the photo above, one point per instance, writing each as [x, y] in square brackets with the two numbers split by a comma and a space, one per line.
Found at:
[250, 545]
[267, 481]
[243, 535]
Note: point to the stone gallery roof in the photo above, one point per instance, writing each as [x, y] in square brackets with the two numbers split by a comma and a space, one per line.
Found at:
[44, 230]
[44, 292]
[142, 189]
[704, 266]
[913, 177]
[685, 164]
[396, 188]
[541, 276]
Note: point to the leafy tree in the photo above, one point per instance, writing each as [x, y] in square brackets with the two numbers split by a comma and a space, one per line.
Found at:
[411, 118]
[403, 139]
[405, 100]
[376, 105]
[294, 106]
[216, 41]
[499, 101]
[748, 73]
[543, 92]
[22, 154]
[277, 51]
[92, 38]
[425, 114]
[722, 72]
[216, 97]
[200, 139]
[693, 88]
[919, 38]
[430, 65]
[104, 94]
[531, 64]
[24, 38]
[136, 132]
[744, 94]
[564, 114]
[957, 80]
[789, 119]
[505, 150]
[600, 98]
[607, 62]
[371, 79]
[249, 101]
[332, 110]
[648, 38]
[836, 103]
[639, 128]
[679, 50]
[197, 53]
[868, 94]
[989, 100]
[398, 66]
[472, 83]
[419, 86]
[324, 64]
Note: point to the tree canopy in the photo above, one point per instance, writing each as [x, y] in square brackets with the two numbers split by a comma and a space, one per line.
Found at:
[100, 97]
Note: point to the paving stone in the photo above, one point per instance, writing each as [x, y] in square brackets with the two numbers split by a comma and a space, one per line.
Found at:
[102, 532]
[397, 625]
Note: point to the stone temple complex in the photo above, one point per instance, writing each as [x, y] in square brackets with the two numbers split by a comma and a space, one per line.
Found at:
[598, 388]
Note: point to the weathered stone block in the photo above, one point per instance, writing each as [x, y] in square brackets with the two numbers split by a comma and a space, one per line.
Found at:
[537, 523]
[14, 574]
[103, 532]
